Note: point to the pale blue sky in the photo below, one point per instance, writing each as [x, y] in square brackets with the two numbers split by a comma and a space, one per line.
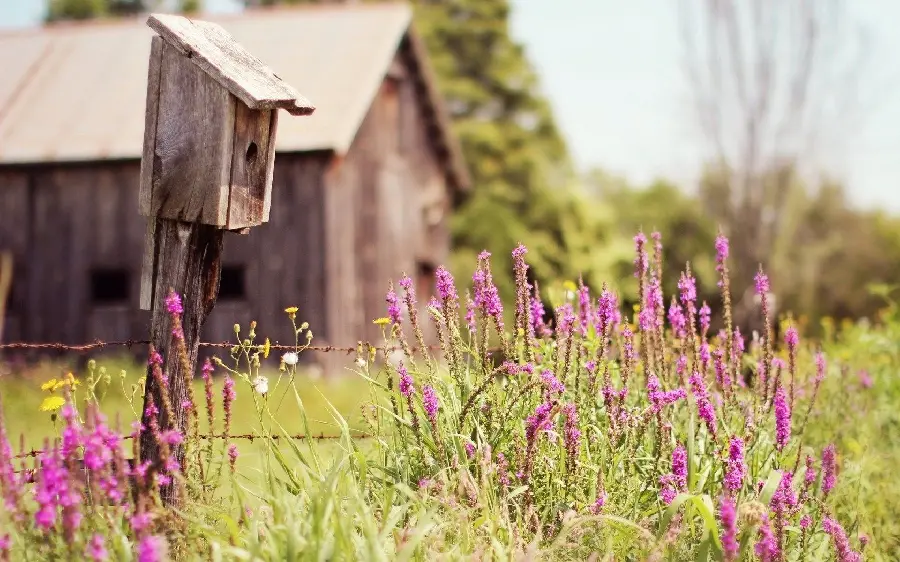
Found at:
[611, 70]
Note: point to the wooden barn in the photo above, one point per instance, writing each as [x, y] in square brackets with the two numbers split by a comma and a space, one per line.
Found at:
[361, 194]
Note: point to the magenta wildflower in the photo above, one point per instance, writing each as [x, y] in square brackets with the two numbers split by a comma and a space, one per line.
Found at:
[96, 549]
[658, 397]
[688, 287]
[653, 302]
[502, 470]
[565, 319]
[784, 499]
[393, 306]
[585, 313]
[598, 504]
[762, 283]
[571, 432]
[430, 403]
[470, 314]
[840, 541]
[607, 310]
[551, 383]
[228, 396]
[667, 490]
[728, 517]
[680, 466]
[470, 449]
[791, 338]
[864, 378]
[704, 318]
[642, 261]
[486, 295]
[407, 388]
[721, 256]
[52, 489]
[829, 469]
[537, 316]
[538, 421]
[805, 522]
[677, 319]
[232, 456]
[704, 406]
[10, 485]
[735, 468]
[446, 288]
[782, 419]
[140, 522]
[767, 547]
[173, 304]
[152, 549]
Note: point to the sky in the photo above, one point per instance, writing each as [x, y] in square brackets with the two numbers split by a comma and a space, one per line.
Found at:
[613, 74]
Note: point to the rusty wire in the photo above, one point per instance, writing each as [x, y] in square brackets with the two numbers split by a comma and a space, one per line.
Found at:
[131, 343]
[33, 453]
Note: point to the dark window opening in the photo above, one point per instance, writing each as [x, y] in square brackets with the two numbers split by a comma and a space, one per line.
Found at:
[425, 280]
[233, 283]
[109, 286]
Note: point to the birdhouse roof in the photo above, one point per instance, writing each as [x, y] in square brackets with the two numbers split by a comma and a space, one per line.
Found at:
[211, 48]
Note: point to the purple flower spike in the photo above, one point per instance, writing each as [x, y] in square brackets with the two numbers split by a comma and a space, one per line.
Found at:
[728, 517]
[782, 419]
[430, 403]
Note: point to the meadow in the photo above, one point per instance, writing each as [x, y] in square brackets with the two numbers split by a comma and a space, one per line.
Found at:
[570, 430]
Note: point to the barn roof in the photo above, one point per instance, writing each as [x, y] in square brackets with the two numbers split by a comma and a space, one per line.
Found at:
[76, 91]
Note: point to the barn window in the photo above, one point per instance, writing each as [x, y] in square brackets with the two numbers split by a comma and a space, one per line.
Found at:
[425, 279]
[109, 285]
[233, 283]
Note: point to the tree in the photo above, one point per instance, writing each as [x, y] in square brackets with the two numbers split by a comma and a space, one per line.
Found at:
[58, 10]
[774, 86]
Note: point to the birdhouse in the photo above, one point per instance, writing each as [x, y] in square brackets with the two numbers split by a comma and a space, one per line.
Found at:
[209, 136]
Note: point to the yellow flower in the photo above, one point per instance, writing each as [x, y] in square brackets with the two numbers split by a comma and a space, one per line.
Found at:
[381, 321]
[570, 286]
[52, 403]
[266, 348]
[49, 385]
[291, 310]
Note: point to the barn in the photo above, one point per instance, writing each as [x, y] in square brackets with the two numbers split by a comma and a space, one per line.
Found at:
[362, 189]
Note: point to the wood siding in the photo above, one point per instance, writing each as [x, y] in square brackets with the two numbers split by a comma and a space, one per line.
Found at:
[388, 203]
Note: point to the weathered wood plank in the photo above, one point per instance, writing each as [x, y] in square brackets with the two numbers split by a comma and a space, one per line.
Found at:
[194, 140]
[211, 48]
[189, 262]
[249, 166]
[150, 120]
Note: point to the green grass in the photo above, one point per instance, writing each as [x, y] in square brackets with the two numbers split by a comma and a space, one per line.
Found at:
[21, 396]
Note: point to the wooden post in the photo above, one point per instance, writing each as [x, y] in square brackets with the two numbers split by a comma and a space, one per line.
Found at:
[206, 168]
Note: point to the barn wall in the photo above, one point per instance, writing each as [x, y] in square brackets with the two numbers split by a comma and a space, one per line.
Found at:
[72, 221]
[392, 184]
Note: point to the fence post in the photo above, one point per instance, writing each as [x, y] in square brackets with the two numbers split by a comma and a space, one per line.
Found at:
[206, 168]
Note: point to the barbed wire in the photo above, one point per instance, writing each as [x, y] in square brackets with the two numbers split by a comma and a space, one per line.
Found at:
[33, 453]
[98, 344]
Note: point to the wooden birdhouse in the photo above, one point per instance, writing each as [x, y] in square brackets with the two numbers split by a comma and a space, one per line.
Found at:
[209, 137]
[209, 144]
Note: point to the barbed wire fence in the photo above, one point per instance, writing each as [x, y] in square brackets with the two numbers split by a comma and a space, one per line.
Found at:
[96, 345]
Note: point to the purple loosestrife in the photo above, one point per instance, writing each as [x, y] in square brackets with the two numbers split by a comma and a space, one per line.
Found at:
[782, 419]
[228, 397]
[607, 312]
[571, 434]
[653, 303]
[446, 288]
[598, 504]
[10, 484]
[704, 319]
[585, 311]
[430, 403]
[406, 385]
[393, 307]
[538, 326]
[792, 339]
[735, 467]
[641, 261]
[470, 314]
[676, 481]
[502, 470]
[232, 456]
[175, 309]
[551, 383]
[809, 478]
[470, 449]
[728, 517]
[152, 548]
[677, 319]
[207, 371]
[659, 398]
[704, 407]
[486, 295]
[96, 549]
[829, 469]
[766, 548]
[721, 254]
[840, 541]
[565, 319]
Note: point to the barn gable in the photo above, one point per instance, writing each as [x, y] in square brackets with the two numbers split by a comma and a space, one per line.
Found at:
[74, 92]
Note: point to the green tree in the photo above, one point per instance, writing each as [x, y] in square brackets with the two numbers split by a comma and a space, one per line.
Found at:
[58, 10]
